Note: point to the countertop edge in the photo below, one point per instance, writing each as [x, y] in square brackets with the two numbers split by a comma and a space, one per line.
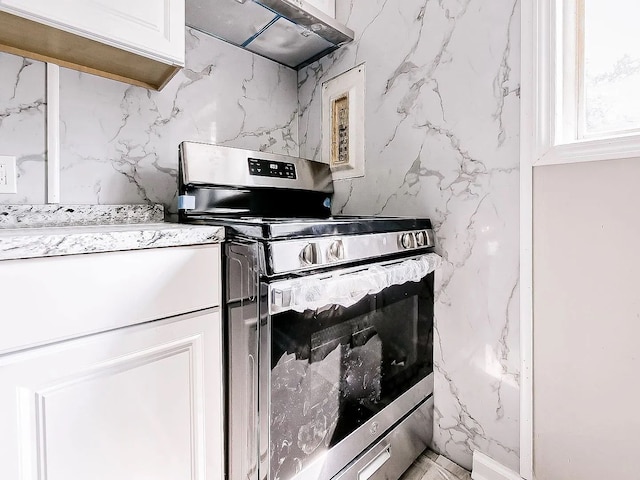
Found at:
[38, 243]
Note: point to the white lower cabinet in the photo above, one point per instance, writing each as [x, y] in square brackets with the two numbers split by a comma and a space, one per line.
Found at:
[140, 403]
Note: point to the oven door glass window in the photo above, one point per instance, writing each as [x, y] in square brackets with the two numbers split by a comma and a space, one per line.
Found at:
[335, 368]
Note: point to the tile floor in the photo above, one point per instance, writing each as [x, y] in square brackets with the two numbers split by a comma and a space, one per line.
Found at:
[431, 466]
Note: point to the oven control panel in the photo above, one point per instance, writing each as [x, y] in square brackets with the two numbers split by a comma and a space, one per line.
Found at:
[301, 254]
[270, 168]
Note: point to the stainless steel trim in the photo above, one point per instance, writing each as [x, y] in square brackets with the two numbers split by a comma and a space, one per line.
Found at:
[404, 443]
[305, 14]
[214, 165]
[252, 450]
[341, 454]
[242, 340]
[297, 43]
[246, 23]
[431, 238]
[264, 397]
[284, 254]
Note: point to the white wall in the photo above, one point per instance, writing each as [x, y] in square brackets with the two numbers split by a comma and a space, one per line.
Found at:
[586, 320]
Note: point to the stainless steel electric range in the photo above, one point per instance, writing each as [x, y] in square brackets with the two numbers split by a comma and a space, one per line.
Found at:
[329, 320]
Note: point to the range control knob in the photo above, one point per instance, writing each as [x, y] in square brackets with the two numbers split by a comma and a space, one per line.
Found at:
[422, 239]
[309, 254]
[407, 240]
[336, 251]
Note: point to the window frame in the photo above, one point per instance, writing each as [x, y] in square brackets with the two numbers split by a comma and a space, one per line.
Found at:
[555, 88]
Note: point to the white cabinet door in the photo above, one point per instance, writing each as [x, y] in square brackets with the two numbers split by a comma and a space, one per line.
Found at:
[140, 403]
[153, 27]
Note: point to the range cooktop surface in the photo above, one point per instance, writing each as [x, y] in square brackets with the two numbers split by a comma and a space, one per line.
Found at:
[267, 197]
[284, 228]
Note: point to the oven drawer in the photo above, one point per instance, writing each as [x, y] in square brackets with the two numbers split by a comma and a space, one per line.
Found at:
[394, 454]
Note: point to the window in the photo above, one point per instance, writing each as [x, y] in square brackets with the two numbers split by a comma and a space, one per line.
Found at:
[610, 59]
[585, 85]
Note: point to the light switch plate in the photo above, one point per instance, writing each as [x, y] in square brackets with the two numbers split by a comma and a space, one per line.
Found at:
[343, 123]
[8, 174]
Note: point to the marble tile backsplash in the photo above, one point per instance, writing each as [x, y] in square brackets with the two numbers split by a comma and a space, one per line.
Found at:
[22, 125]
[119, 142]
[441, 134]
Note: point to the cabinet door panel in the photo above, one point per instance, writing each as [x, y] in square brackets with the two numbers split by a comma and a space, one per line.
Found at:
[155, 27]
[144, 402]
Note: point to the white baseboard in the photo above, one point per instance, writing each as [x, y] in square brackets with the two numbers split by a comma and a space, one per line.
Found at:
[485, 468]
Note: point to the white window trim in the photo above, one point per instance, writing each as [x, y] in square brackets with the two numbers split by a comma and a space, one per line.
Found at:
[542, 62]
[538, 147]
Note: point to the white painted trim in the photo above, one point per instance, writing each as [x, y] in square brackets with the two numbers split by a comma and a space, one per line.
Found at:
[53, 133]
[542, 48]
[528, 142]
[485, 468]
[592, 150]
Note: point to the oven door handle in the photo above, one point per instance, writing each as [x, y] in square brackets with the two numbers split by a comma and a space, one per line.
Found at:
[347, 287]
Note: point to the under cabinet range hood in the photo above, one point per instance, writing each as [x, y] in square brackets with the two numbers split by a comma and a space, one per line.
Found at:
[291, 32]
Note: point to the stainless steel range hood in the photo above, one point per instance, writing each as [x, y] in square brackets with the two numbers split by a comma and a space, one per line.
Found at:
[291, 32]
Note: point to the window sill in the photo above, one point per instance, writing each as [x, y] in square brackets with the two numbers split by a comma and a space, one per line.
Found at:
[591, 150]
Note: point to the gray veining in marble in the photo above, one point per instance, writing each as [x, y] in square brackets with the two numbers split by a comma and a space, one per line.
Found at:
[119, 142]
[29, 231]
[441, 138]
[33, 216]
[51, 241]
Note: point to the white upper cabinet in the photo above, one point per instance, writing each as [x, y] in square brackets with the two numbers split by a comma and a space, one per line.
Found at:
[140, 42]
[152, 27]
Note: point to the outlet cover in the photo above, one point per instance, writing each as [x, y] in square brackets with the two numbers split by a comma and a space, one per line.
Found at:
[8, 174]
[343, 123]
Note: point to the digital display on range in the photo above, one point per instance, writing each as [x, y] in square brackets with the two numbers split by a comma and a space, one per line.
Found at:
[269, 168]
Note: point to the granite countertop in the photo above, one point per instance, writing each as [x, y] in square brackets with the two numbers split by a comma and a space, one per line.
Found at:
[30, 231]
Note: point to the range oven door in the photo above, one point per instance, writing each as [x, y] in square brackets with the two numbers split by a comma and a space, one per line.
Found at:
[344, 357]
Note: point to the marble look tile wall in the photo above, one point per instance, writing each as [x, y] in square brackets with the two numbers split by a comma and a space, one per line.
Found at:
[441, 132]
[119, 142]
[22, 125]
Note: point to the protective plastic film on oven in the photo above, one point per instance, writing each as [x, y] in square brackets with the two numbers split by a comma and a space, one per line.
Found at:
[344, 346]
